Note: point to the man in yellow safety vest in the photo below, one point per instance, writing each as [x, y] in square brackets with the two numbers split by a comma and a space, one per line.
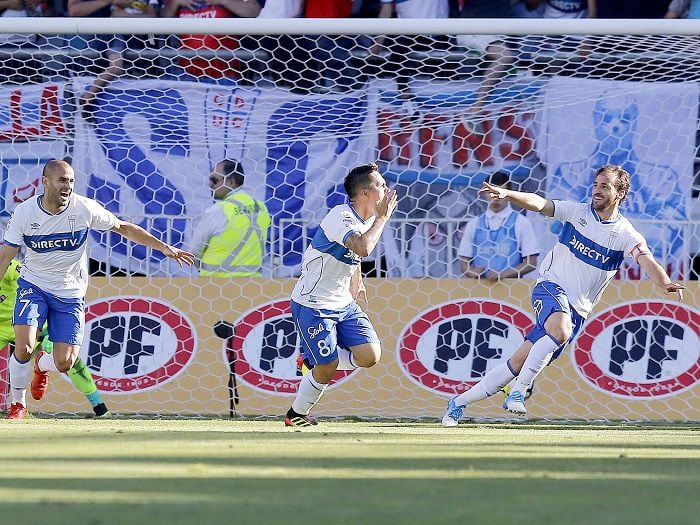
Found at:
[231, 234]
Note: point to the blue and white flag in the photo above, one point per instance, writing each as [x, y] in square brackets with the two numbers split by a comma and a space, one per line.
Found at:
[148, 155]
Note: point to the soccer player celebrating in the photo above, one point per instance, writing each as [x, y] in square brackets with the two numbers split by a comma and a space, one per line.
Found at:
[54, 229]
[335, 333]
[78, 374]
[595, 240]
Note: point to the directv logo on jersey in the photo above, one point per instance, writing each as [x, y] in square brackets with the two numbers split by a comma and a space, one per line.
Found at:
[56, 242]
[53, 244]
[588, 251]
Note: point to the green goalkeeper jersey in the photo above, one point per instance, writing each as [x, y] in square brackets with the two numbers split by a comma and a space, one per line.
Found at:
[8, 292]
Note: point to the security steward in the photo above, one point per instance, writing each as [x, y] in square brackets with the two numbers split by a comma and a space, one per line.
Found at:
[231, 235]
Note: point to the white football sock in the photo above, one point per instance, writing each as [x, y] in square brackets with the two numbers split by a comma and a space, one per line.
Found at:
[47, 364]
[346, 361]
[538, 357]
[495, 379]
[19, 380]
[310, 391]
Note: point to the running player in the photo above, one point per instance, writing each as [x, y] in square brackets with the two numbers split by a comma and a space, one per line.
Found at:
[79, 374]
[595, 240]
[54, 277]
[335, 333]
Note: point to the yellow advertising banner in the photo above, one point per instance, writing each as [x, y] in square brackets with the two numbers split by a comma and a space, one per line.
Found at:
[218, 347]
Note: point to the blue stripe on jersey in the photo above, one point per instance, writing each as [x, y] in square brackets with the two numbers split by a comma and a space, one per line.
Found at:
[589, 251]
[351, 232]
[324, 245]
[63, 242]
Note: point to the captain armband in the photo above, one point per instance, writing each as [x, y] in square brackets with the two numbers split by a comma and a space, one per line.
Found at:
[639, 250]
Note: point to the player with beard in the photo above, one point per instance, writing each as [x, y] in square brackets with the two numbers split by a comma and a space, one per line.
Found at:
[572, 277]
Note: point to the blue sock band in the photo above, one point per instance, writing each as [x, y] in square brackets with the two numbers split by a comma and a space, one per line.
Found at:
[94, 398]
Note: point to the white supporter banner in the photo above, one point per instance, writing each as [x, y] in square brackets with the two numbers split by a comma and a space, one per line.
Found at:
[153, 144]
[32, 132]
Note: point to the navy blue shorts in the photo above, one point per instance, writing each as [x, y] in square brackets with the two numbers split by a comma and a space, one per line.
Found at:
[66, 316]
[322, 331]
[547, 298]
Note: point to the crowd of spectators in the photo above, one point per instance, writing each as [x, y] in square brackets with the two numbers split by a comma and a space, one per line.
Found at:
[304, 63]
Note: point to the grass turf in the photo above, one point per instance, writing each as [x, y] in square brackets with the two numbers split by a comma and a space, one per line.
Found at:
[56, 471]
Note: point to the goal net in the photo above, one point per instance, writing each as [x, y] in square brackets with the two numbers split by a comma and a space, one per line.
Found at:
[145, 114]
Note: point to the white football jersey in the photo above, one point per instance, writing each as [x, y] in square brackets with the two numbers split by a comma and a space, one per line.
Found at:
[588, 253]
[327, 264]
[56, 258]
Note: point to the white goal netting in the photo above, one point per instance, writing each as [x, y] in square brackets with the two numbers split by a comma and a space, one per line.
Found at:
[145, 118]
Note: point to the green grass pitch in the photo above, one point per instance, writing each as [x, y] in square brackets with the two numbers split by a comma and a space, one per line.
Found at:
[135, 471]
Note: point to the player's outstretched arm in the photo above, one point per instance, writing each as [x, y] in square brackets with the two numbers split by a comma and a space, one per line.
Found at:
[135, 233]
[529, 201]
[659, 276]
[7, 253]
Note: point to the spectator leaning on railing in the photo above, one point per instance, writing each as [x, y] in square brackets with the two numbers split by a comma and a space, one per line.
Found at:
[210, 67]
[112, 45]
[683, 9]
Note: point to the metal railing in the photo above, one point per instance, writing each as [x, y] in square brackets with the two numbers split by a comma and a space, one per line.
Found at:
[413, 253]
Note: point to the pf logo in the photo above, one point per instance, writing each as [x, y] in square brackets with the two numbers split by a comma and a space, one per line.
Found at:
[450, 347]
[135, 344]
[641, 350]
[265, 346]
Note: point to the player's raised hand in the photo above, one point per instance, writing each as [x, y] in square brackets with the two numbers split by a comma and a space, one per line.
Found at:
[388, 204]
[674, 287]
[181, 256]
[495, 192]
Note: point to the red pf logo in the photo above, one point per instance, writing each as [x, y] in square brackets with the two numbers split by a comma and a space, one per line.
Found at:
[265, 346]
[641, 350]
[449, 348]
[136, 344]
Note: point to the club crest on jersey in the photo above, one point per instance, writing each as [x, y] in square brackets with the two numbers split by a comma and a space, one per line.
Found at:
[348, 219]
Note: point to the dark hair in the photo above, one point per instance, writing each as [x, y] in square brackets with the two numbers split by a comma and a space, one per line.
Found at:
[358, 178]
[232, 169]
[622, 178]
[501, 179]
